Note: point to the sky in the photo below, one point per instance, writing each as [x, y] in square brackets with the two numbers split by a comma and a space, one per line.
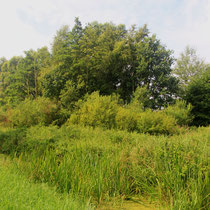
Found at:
[32, 24]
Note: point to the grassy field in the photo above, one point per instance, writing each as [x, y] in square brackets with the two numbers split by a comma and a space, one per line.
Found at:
[18, 193]
[99, 165]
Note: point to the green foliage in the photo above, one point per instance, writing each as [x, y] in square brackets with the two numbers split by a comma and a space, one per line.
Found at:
[4, 121]
[20, 76]
[71, 94]
[110, 59]
[181, 112]
[154, 71]
[33, 112]
[126, 119]
[105, 111]
[10, 140]
[188, 66]
[9, 89]
[198, 94]
[97, 111]
[156, 123]
[96, 163]
[141, 98]
[42, 140]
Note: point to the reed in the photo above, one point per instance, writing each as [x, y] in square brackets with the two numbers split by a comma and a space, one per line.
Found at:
[98, 164]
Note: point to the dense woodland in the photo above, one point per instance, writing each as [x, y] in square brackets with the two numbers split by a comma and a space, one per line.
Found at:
[109, 59]
[107, 113]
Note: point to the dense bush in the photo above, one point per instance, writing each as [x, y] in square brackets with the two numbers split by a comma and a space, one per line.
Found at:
[97, 111]
[180, 111]
[4, 121]
[32, 112]
[11, 139]
[126, 119]
[105, 111]
[156, 122]
[152, 122]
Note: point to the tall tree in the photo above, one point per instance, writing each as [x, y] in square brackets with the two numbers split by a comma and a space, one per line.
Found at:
[188, 66]
[9, 91]
[102, 57]
[65, 60]
[198, 94]
[154, 71]
[19, 77]
[110, 59]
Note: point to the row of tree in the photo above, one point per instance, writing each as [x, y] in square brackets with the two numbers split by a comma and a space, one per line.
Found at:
[99, 57]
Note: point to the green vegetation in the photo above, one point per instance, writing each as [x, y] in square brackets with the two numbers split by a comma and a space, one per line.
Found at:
[18, 193]
[198, 94]
[103, 117]
[101, 164]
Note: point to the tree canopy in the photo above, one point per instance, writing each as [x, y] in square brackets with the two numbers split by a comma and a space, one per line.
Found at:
[198, 94]
[107, 58]
[110, 59]
[189, 66]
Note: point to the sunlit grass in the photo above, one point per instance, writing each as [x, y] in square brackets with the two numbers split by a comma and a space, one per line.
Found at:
[16, 192]
[99, 165]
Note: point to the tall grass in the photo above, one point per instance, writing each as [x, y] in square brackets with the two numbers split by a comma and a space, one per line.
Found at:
[18, 193]
[98, 164]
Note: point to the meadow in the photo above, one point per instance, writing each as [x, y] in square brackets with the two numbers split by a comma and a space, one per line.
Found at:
[17, 192]
[99, 165]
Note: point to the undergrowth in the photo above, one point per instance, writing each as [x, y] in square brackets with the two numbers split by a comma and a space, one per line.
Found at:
[17, 192]
[99, 164]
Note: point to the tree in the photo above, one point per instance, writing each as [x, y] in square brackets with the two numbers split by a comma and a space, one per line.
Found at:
[20, 76]
[29, 72]
[8, 90]
[65, 60]
[99, 62]
[103, 57]
[154, 71]
[188, 66]
[110, 59]
[198, 94]
[2, 61]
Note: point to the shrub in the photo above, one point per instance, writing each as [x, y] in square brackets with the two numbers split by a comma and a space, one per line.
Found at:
[97, 111]
[10, 140]
[156, 123]
[4, 121]
[126, 119]
[33, 112]
[180, 111]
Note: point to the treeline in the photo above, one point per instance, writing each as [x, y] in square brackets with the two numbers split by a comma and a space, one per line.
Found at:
[109, 59]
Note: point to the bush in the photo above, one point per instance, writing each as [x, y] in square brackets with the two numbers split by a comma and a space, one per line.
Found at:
[180, 111]
[126, 119]
[97, 111]
[33, 112]
[156, 123]
[10, 140]
[105, 111]
[4, 121]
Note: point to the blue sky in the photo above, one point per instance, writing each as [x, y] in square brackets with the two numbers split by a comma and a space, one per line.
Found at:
[27, 24]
